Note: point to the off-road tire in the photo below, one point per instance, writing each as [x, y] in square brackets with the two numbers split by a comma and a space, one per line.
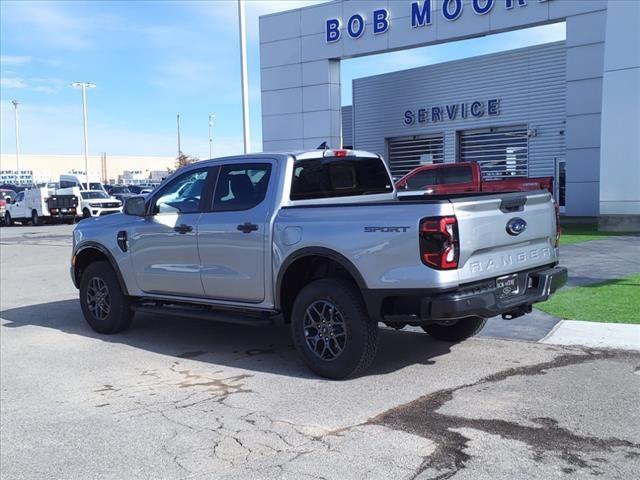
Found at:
[120, 315]
[361, 342]
[456, 332]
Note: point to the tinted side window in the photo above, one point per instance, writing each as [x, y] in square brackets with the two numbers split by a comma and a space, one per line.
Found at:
[20, 197]
[460, 174]
[183, 195]
[423, 179]
[241, 186]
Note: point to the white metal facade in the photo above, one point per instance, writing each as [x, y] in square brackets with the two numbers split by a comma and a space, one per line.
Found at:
[530, 84]
[300, 77]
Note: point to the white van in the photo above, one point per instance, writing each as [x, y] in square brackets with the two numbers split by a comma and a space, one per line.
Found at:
[80, 181]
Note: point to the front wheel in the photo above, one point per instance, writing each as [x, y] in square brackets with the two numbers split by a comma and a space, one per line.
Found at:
[86, 213]
[456, 330]
[8, 221]
[104, 305]
[331, 329]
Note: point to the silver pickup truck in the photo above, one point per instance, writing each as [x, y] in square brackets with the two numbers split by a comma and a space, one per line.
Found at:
[319, 240]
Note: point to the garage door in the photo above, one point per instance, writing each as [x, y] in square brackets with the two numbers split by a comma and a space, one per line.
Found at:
[407, 153]
[501, 152]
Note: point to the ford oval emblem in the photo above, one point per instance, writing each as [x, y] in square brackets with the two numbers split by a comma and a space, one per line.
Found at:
[516, 226]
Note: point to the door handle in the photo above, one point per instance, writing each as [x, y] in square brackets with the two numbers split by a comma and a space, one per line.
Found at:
[247, 227]
[183, 228]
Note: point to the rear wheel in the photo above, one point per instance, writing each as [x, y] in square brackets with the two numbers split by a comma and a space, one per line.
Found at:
[331, 329]
[456, 330]
[104, 305]
[35, 219]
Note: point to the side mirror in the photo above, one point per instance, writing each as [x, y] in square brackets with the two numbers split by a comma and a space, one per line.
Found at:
[135, 206]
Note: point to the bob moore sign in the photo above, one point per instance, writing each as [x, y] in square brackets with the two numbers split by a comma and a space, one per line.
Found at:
[453, 111]
[421, 15]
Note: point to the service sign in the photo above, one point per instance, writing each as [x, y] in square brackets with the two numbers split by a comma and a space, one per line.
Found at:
[453, 111]
[421, 15]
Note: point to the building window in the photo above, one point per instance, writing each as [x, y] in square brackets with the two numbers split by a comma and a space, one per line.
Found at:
[407, 153]
[501, 152]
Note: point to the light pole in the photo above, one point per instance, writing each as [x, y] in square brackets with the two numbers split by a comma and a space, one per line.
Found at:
[211, 117]
[244, 80]
[84, 86]
[178, 123]
[15, 107]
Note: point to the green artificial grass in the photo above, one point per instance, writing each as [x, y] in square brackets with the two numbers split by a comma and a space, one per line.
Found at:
[582, 232]
[614, 301]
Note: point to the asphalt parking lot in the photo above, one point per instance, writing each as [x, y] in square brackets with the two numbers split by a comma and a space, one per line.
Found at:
[177, 398]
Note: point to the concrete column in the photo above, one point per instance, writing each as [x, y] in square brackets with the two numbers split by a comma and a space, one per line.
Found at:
[300, 89]
[585, 60]
[620, 144]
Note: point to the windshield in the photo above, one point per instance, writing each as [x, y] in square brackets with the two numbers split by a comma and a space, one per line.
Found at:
[120, 190]
[93, 194]
[339, 177]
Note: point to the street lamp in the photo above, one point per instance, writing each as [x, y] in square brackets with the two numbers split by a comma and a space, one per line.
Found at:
[84, 86]
[15, 107]
[244, 81]
[211, 117]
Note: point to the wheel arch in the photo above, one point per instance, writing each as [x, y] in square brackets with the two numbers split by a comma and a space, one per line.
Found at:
[91, 252]
[304, 266]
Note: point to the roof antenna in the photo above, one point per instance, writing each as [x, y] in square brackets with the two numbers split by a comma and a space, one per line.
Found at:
[323, 146]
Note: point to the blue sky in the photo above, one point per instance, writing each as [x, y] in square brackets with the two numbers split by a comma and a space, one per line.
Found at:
[151, 60]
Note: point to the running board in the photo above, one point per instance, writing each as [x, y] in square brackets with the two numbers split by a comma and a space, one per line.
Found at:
[207, 313]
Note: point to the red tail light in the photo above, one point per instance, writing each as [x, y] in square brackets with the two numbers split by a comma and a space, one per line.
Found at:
[340, 153]
[439, 245]
[54, 210]
[558, 227]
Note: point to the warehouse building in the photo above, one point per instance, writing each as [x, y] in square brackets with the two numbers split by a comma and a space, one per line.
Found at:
[567, 109]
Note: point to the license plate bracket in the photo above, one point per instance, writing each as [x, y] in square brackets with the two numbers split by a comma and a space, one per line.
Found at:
[507, 286]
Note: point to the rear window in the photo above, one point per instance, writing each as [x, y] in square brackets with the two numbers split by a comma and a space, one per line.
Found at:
[460, 174]
[339, 177]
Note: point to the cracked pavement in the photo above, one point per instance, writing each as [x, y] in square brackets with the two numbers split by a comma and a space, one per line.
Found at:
[186, 399]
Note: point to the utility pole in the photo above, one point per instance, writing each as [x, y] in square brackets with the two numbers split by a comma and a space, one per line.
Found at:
[15, 107]
[103, 165]
[84, 86]
[211, 117]
[178, 123]
[244, 80]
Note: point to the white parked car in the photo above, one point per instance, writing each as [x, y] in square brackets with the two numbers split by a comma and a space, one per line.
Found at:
[96, 203]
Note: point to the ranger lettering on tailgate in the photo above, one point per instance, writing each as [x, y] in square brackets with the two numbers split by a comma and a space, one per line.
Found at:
[386, 229]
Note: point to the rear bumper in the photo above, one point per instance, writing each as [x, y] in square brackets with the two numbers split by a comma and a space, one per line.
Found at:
[483, 300]
[475, 299]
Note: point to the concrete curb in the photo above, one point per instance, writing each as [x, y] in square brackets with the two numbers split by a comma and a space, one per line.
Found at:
[593, 334]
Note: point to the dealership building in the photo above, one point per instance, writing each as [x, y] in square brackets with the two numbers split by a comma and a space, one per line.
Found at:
[567, 109]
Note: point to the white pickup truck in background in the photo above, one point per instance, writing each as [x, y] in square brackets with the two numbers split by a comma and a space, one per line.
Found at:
[40, 205]
[94, 203]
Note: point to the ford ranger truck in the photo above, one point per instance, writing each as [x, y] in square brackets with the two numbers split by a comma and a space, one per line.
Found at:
[318, 240]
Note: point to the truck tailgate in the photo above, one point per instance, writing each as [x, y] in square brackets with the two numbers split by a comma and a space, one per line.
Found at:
[488, 249]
